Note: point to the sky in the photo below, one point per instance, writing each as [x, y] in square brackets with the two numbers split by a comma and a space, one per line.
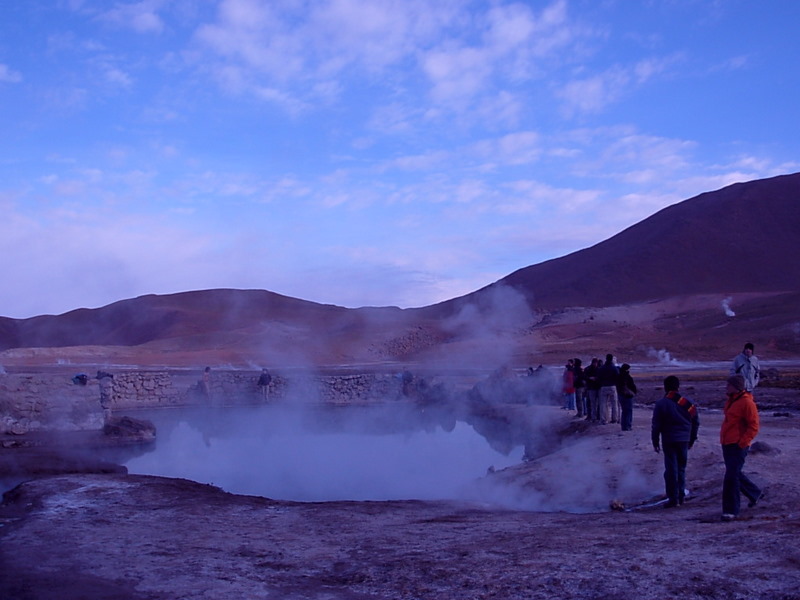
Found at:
[366, 152]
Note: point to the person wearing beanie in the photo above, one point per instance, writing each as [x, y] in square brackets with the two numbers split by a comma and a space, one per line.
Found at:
[674, 430]
[739, 429]
[746, 364]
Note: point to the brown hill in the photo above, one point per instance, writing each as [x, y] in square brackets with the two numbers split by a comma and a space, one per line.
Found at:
[665, 283]
[741, 238]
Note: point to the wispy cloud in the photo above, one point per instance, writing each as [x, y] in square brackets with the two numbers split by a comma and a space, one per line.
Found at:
[9, 75]
[594, 93]
[141, 17]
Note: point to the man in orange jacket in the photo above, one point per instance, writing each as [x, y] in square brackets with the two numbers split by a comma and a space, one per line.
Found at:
[739, 429]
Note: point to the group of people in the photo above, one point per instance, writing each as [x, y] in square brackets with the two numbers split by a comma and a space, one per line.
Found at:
[675, 424]
[602, 392]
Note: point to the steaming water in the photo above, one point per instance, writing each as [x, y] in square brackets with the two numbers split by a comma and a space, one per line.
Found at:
[320, 456]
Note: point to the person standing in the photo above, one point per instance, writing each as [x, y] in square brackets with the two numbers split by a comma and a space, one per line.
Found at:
[746, 364]
[205, 384]
[592, 390]
[626, 391]
[739, 429]
[580, 388]
[675, 425]
[263, 382]
[568, 385]
[607, 378]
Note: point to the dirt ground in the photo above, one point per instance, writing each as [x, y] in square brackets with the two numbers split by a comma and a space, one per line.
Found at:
[110, 535]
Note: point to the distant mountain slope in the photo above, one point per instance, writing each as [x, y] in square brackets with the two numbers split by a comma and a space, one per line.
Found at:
[742, 238]
[184, 315]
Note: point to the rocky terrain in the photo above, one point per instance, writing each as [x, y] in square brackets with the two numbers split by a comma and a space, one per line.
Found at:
[581, 520]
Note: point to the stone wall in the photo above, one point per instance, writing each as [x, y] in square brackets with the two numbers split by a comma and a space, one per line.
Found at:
[52, 402]
[34, 402]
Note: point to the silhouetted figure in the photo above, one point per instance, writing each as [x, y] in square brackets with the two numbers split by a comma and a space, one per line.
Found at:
[568, 385]
[263, 382]
[626, 391]
[205, 383]
[579, 382]
[592, 390]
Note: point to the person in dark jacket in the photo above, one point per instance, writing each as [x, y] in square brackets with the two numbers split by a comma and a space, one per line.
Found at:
[580, 387]
[626, 390]
[568, 385]
[675, 423]
[592, 390]
[263, 382]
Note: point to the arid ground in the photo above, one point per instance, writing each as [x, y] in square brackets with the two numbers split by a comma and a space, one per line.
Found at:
[124, 537]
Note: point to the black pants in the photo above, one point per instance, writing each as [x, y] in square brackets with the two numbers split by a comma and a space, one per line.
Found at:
[736, 482]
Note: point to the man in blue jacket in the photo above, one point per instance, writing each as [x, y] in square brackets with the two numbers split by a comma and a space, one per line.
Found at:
[675, 424]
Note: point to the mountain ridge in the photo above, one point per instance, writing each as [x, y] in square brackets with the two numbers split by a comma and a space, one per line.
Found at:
[735, 242]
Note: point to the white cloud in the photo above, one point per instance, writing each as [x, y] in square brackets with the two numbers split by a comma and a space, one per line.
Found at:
[8, 75]
[141, 17]
[593, 94]
[469, 55]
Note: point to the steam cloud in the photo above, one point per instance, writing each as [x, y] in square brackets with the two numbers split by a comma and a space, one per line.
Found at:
[295, 455]
[662, 356]
[726, 306]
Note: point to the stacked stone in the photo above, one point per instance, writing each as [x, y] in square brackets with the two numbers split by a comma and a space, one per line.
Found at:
[359, 389]
[145, 389]
[35, 402]
[51, 401]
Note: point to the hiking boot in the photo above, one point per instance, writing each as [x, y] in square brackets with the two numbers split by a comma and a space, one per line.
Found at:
[728, 517]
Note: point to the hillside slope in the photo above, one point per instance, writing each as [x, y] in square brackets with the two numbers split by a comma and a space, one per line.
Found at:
[669, 273]
[738, 239]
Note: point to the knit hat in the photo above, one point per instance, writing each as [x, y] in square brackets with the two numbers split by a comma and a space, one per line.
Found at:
[736, 381]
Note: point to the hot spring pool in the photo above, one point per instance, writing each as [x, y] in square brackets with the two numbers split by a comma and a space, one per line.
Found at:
[320, 455]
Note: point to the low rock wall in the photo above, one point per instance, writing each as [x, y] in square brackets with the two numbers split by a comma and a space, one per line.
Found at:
[52, 402]
[34, 402]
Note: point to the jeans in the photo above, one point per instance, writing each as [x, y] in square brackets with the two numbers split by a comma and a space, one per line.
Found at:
[608, 401]
[736, 482]
[569, 400]
[580, 400]
[676, 455]
[626, 404]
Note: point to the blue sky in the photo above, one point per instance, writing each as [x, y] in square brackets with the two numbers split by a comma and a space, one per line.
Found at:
[359, 152]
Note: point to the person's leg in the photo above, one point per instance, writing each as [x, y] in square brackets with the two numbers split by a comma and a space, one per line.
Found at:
[592, 406]
[626, 403]
[604, 399]
[670, 473]
[630, 413]
[734, 460]
[615, 409]
[747, 487]
[681, 458]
